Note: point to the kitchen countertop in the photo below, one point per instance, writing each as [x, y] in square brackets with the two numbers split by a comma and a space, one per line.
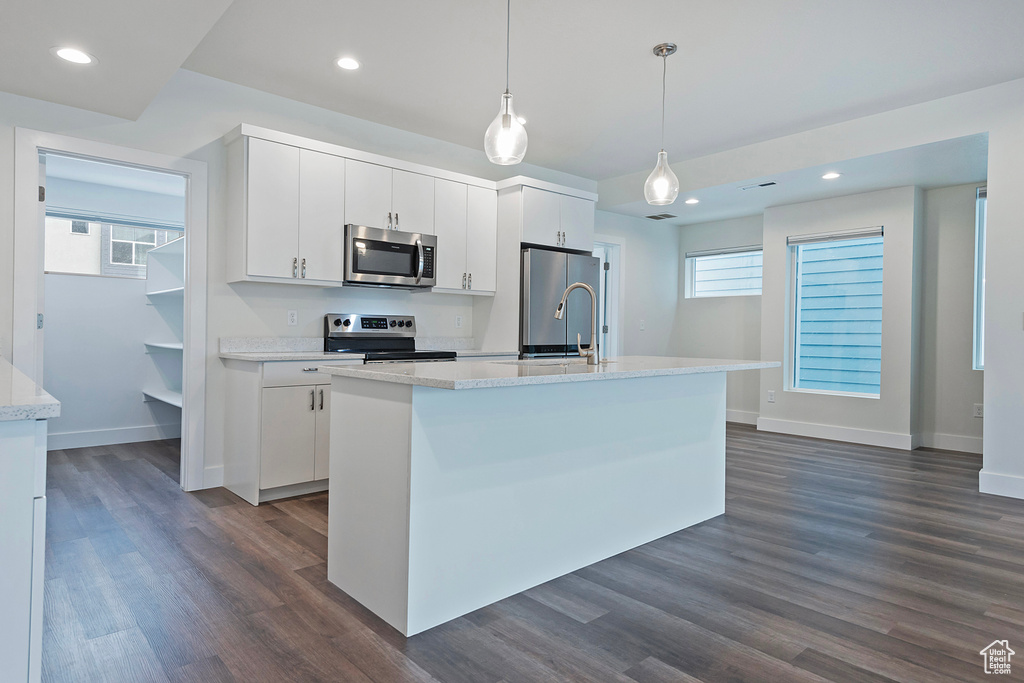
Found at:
[267, 356]
[511, 373]
[23, 399]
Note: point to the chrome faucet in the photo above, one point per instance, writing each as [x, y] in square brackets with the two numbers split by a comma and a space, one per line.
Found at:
[591, 352]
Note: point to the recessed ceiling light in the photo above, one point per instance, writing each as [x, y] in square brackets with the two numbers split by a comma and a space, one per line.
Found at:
[73, 55]
[832, 175]
[693, 200]
[348, 63]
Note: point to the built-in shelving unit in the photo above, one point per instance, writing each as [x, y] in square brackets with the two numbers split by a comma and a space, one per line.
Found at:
[165, 288]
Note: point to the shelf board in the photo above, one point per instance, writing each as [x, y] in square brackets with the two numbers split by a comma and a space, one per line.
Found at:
[172, 346]
[175, 248]
[174, 291]
[168, 396]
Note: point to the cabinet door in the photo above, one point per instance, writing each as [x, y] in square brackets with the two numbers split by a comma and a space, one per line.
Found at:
[321, 215]
[450, 228]
[482, 238]
[541, 217]
[367, 194]
[412, 200]
[322, 449]
[287, 434]
[272, 208]
[577, 218]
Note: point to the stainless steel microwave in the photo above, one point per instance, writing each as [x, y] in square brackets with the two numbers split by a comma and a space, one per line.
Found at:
[389, 258]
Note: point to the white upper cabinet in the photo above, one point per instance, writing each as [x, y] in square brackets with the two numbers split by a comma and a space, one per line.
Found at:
[368, 195]
[321, 216]
[272, 209]
[450, 215]
[482, 239]
[412, 200]
[557, 220]
[577, 219]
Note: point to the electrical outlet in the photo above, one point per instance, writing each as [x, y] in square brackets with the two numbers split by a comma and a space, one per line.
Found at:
[771, 396]
[458, 321]
[293, 317]
[643, 325]
[979, 410]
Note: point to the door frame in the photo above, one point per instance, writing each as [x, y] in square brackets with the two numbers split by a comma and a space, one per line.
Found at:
[28, 288]
[618, 264]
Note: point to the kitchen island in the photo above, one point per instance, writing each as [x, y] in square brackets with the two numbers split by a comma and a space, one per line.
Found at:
[454, 485]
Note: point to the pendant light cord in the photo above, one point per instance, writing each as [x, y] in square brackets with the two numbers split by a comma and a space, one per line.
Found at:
[508, 39]
[664, 69]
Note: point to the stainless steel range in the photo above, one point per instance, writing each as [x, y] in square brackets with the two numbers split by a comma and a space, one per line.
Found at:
[381, 338]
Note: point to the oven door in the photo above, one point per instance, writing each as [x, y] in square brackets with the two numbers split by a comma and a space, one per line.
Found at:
[389, 258]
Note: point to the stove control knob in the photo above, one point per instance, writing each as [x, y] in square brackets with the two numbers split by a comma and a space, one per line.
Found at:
[401, 323]
[408, 323]
[347, 322]
[393, 323]
[337, 322]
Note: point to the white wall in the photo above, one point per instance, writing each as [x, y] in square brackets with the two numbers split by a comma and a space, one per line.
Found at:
[949, 385]
[96, 362]
[889, 419]
[69, 252]
[722, 327]
[651, 276]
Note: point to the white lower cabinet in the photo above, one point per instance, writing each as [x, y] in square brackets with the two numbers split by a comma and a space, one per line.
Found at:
[278, 428]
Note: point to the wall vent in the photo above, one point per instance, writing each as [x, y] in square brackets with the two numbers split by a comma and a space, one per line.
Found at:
[757, 185]
[660, 216]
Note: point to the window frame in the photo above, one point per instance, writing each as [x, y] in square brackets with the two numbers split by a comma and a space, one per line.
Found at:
[980, 235]
[793, 244]
[690, 271]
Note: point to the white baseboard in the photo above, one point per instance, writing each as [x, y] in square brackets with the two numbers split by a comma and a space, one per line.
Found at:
[106, 437]
[746, 417]
[952, 442]
[1009, 485]
[213, 476]
[850, 435]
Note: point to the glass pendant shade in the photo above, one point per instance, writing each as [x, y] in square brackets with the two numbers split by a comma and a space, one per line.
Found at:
[662, 186]
[505, 139]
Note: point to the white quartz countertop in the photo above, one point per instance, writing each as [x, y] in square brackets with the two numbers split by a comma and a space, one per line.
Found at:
[23, 399]
[269, 356]
[513, 373]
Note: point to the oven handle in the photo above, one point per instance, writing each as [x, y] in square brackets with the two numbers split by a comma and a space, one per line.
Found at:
[419, 268]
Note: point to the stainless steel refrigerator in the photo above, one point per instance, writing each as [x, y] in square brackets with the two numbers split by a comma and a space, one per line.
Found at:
[545, 276]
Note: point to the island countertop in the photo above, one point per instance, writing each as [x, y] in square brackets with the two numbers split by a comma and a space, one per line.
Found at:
[511, 373]
[23, 399]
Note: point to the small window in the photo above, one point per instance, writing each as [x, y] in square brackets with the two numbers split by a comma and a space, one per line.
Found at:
[731, 272]
[979, 278]
[79, 227]
[837, 340]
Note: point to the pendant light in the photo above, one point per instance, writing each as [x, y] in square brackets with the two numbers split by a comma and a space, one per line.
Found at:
[505, 139]
[662, 186]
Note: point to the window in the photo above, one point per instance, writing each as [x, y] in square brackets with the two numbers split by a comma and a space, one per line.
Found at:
[84, 247]
[979, 278]
[837, 340]
[79, 227]
[725, 272]
[129, 245]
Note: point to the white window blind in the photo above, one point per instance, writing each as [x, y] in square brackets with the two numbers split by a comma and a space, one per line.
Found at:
[838, 315]
[731, 272]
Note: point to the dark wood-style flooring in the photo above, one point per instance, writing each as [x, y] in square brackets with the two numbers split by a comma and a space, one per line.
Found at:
[832, 562]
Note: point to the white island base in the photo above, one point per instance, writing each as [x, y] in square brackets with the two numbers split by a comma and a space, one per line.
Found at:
[442, 502]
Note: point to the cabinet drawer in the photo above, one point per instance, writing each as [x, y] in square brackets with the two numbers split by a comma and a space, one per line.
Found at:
[296, 373]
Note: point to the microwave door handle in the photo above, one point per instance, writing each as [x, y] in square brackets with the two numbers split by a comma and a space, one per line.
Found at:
[419, 267]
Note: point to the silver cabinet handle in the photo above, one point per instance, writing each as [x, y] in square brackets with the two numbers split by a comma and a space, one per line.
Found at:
[420, 262]
[389, 221]
[321, 399]
[303, 267]
[470, 281]
[463, 280]
[309, 369]
[312, 399]
[295, 267]
[396, 220]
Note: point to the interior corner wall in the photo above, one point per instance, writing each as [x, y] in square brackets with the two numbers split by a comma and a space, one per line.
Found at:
[949, 385]
[883, 421]
[651, 275]
[722, 327]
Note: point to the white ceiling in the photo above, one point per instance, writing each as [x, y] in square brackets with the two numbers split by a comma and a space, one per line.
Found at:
[940, 164]
[582, 71]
